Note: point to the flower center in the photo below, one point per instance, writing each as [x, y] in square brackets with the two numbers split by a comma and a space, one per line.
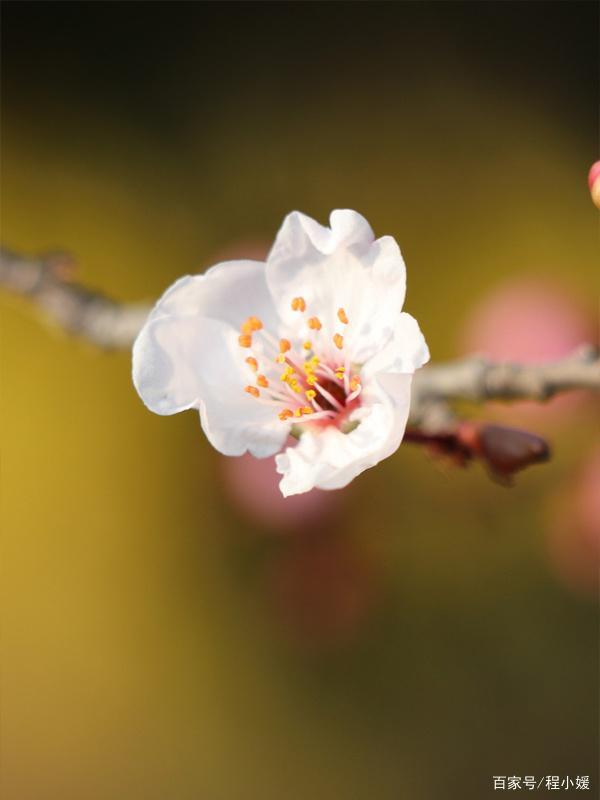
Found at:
[312, 379]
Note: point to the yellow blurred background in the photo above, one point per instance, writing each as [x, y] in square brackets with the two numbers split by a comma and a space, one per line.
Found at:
[161, 641]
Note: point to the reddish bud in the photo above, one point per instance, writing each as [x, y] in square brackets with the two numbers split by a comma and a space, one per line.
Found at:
[504, 450]
[508, 450]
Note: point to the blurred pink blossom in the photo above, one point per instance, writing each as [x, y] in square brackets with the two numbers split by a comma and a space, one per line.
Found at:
[252, 485]
[529, 320]
[323, 587]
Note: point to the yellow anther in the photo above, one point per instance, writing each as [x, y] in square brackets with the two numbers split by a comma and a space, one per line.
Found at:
[245, 340]
[314, 323]
[311, 380]
[252, 363]
[298, 304]
[287, 373]
[310, 394]
[252, 390]
[342, 316]
[255, 323]
[284, 345]
[295, 386]
[338, 341]
[307, 410]
[298, 412]
[307, 346]
[340, 369]
[262, 381]
[354, 383]
[280, 359]
[285, 414]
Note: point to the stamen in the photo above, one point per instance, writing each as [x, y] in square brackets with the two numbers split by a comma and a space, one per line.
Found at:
[354, 394]
[301, 370]
[355, 388]
[329, 397]
[250, 325]
[325, 369]
[255, 323]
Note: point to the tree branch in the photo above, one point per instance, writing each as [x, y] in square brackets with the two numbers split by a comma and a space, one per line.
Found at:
[478, 380]
[47, 282]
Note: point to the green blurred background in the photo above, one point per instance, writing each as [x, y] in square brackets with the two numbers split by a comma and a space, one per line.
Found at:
[158, 640]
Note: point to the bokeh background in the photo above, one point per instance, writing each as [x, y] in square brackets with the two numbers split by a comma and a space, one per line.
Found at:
[169, 629]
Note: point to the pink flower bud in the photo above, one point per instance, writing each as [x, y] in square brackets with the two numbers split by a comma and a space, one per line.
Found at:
[594, 183]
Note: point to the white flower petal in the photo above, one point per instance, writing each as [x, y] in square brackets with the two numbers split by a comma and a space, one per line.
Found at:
[195, 362]
[341, 267]
[330, 459]
[163, 365]
[405, 351]
[230, 291]
[301, 236]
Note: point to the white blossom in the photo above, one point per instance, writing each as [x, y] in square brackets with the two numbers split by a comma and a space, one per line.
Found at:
[313, 342]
